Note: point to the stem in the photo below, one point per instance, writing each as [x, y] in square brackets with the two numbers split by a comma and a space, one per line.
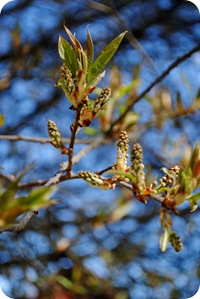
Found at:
[43, 140]
[16, 227]
[155, 197]
[72, 141]
[104, 170]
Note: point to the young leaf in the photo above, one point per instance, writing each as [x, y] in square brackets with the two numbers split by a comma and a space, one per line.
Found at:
[195, 158]
[83, 60]
[121, 173]
[39, 198]
[164, 240]
[194, 201]
[104, 57]
[75, 43]
[89, 49]
[67, 54]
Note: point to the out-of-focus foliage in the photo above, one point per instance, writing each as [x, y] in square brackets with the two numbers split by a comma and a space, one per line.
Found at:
[12, 207]
[97, 243]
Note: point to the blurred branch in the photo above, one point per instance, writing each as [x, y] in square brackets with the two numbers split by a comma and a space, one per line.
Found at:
[28, 185]
[46, 140]
[63, 173]
[104, 170]
[7, 177]
[86, 150]
[16, 227]
[60, 175]
[155, 197]
[129, 36]
[157, 80]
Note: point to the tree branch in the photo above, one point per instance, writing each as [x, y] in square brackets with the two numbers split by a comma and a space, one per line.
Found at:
[157, 80]
[16, 227]
[43, 140]
[155, 197]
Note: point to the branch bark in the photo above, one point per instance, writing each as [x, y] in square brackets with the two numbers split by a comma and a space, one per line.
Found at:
[43, 140]
[16, 227]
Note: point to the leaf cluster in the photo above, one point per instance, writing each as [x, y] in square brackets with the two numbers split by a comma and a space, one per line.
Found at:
[12, 206]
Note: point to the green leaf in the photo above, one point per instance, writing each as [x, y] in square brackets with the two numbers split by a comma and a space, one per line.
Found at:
[8, 194]
[89, 49]
[121, 173]
[39, 198]
[195, 157]
[67, 54]
[13, 207]
[104, 57]
[164, 240]
[1, 120]
[83, 60]
[194, 201]
[75, 43]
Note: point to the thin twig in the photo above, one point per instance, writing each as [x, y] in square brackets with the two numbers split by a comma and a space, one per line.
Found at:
[60, 175]
[16, 227]
[42, 140]
[155, 197]
[100, 172]
[8, 177]
[87, 149]
[157, 80]
[72, 141]
[38, 183]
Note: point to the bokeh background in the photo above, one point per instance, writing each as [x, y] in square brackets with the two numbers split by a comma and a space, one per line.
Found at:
[73, 249]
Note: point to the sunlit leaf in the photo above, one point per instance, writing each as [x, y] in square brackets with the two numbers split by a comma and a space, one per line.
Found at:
[75, 43]
[67, 54]
[96, 81]
[164, 240]
[195, 158]
[121, 173]
[14, 207]
[193, 199]
[89, 49]
[104, 57]
[39, 198]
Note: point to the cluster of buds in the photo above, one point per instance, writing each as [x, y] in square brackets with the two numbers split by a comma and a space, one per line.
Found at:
[169, 234]
[94, 180]
[122, 144]
[166, 180]
[137, 167]
[66, 75]
[88, 113]
[54, 134]
[176, 241]
[102, 99]
[122, 154]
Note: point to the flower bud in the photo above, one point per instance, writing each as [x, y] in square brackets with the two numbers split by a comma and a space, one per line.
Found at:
[102, 99]
[54, 134]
